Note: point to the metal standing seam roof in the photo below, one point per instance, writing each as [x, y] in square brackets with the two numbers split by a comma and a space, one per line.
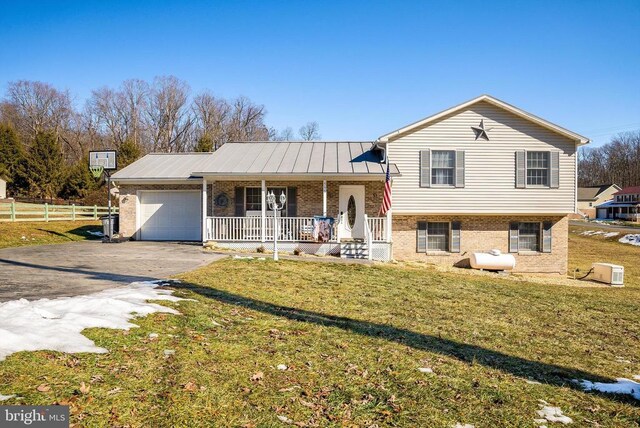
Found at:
[262, 158]
[162, 166]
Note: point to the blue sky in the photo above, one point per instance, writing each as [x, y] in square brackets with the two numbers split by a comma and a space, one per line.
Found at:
[360, 69]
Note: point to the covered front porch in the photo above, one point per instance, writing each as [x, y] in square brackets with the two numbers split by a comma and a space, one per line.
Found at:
[619, 211]
[323, 217]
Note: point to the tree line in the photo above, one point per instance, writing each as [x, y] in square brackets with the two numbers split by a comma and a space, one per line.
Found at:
[617, 162]
[45, 139]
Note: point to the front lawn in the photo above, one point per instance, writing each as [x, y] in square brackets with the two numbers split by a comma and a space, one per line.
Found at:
[18, 234]
[320, 344]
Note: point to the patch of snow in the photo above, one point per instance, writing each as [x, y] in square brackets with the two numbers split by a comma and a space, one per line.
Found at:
[621, 386]
[57, 324]
[282, 367]
[95, 233]
[24, 238]
[632, 239]
[552, 414]
[636, 376]
[611, 234]
[6, 397]
[425, 369]
[459, 425]
[532, 382]
[153, 335]
[169, 352]
[237, 257]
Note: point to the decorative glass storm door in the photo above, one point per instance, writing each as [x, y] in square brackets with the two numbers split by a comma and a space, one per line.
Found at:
[351, 203]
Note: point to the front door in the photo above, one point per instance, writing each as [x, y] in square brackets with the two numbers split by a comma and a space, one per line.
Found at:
[352, 210]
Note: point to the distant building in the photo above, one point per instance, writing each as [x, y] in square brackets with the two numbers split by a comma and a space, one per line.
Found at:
[592, 196]
[625, 205]
[3, 189]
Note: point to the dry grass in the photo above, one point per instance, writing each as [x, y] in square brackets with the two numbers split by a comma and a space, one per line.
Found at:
[352, 338]
[37, 233]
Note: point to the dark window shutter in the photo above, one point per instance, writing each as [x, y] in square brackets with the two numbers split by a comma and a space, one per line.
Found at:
[546, 236]
[239, 201]
[521, 169]
[421, 238]
[455, 236]
[425, 168]
[513, 237]
[292, 201]
[554, 170]
[459, 168]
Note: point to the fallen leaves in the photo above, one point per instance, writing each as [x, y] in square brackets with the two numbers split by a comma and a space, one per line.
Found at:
[43, 387]
[257, 377]
[190, 386]
[84, 388]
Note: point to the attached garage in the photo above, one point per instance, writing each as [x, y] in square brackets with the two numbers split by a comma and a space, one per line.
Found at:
[170, 215]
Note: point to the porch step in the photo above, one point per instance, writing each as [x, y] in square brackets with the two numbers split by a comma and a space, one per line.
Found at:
[354, 250]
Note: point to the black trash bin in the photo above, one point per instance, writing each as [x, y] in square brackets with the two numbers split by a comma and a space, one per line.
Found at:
[115, 224]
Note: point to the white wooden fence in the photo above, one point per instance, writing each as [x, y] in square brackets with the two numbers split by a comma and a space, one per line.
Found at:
[18, 211]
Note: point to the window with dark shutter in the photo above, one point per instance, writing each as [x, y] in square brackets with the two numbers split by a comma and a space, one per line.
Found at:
[546, 236]
[455, 237]
[459, 168]
[239, 201]
[521, 169]
[292, 201]
[421, 237]
[425, 168]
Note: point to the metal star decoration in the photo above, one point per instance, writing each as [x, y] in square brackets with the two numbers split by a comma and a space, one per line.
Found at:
[480, 131]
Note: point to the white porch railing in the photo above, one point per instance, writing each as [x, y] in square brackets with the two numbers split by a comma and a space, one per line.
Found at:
[628, 216]
[377, 227]
[290, 229]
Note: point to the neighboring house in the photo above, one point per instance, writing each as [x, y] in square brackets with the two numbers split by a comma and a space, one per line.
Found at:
[590, 197]
[3, 189]
[482, 175]
[625, 205]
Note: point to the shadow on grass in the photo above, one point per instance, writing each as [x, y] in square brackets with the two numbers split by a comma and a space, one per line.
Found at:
[472, 354]
[82, 231]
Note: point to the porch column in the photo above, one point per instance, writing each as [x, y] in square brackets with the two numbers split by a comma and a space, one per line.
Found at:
[204, 210]
[324, 198]
[263, 204]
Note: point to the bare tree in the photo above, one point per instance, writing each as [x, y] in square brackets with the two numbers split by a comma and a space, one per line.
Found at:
[168, 116]
[119, 112]
[212, 117]
[39, 107]
[616, 162]
[310, 131]
[247, 121]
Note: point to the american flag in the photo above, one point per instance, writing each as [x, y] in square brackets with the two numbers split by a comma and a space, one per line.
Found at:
[386, 199]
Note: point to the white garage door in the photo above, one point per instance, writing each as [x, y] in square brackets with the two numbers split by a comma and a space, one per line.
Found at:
[170, 216]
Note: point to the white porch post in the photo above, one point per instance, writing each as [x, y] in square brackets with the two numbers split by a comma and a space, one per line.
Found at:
[324, 198]
[263, 222]
[204, 210]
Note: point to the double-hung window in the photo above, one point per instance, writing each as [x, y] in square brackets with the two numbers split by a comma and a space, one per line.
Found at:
[443, 164]
[530, 237]
[537, 168]
[253, 197]
[437, 236]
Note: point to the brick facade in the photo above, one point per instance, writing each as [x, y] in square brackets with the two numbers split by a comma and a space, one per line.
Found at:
[309, 198]
[483, 233]
[309, 195]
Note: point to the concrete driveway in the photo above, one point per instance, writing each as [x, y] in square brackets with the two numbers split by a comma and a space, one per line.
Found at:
[85, 267]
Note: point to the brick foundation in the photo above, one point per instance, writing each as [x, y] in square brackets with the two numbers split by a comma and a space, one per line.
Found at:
[483, 233]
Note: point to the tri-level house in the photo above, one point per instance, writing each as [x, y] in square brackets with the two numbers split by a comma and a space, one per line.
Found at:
[479, 176]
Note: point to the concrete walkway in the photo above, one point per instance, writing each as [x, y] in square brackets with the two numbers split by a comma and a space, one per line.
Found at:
[50, 271]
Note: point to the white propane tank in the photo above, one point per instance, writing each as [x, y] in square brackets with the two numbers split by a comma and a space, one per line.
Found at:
[493, 260]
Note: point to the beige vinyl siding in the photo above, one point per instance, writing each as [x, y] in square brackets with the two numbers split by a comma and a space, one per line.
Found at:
[490, 182]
